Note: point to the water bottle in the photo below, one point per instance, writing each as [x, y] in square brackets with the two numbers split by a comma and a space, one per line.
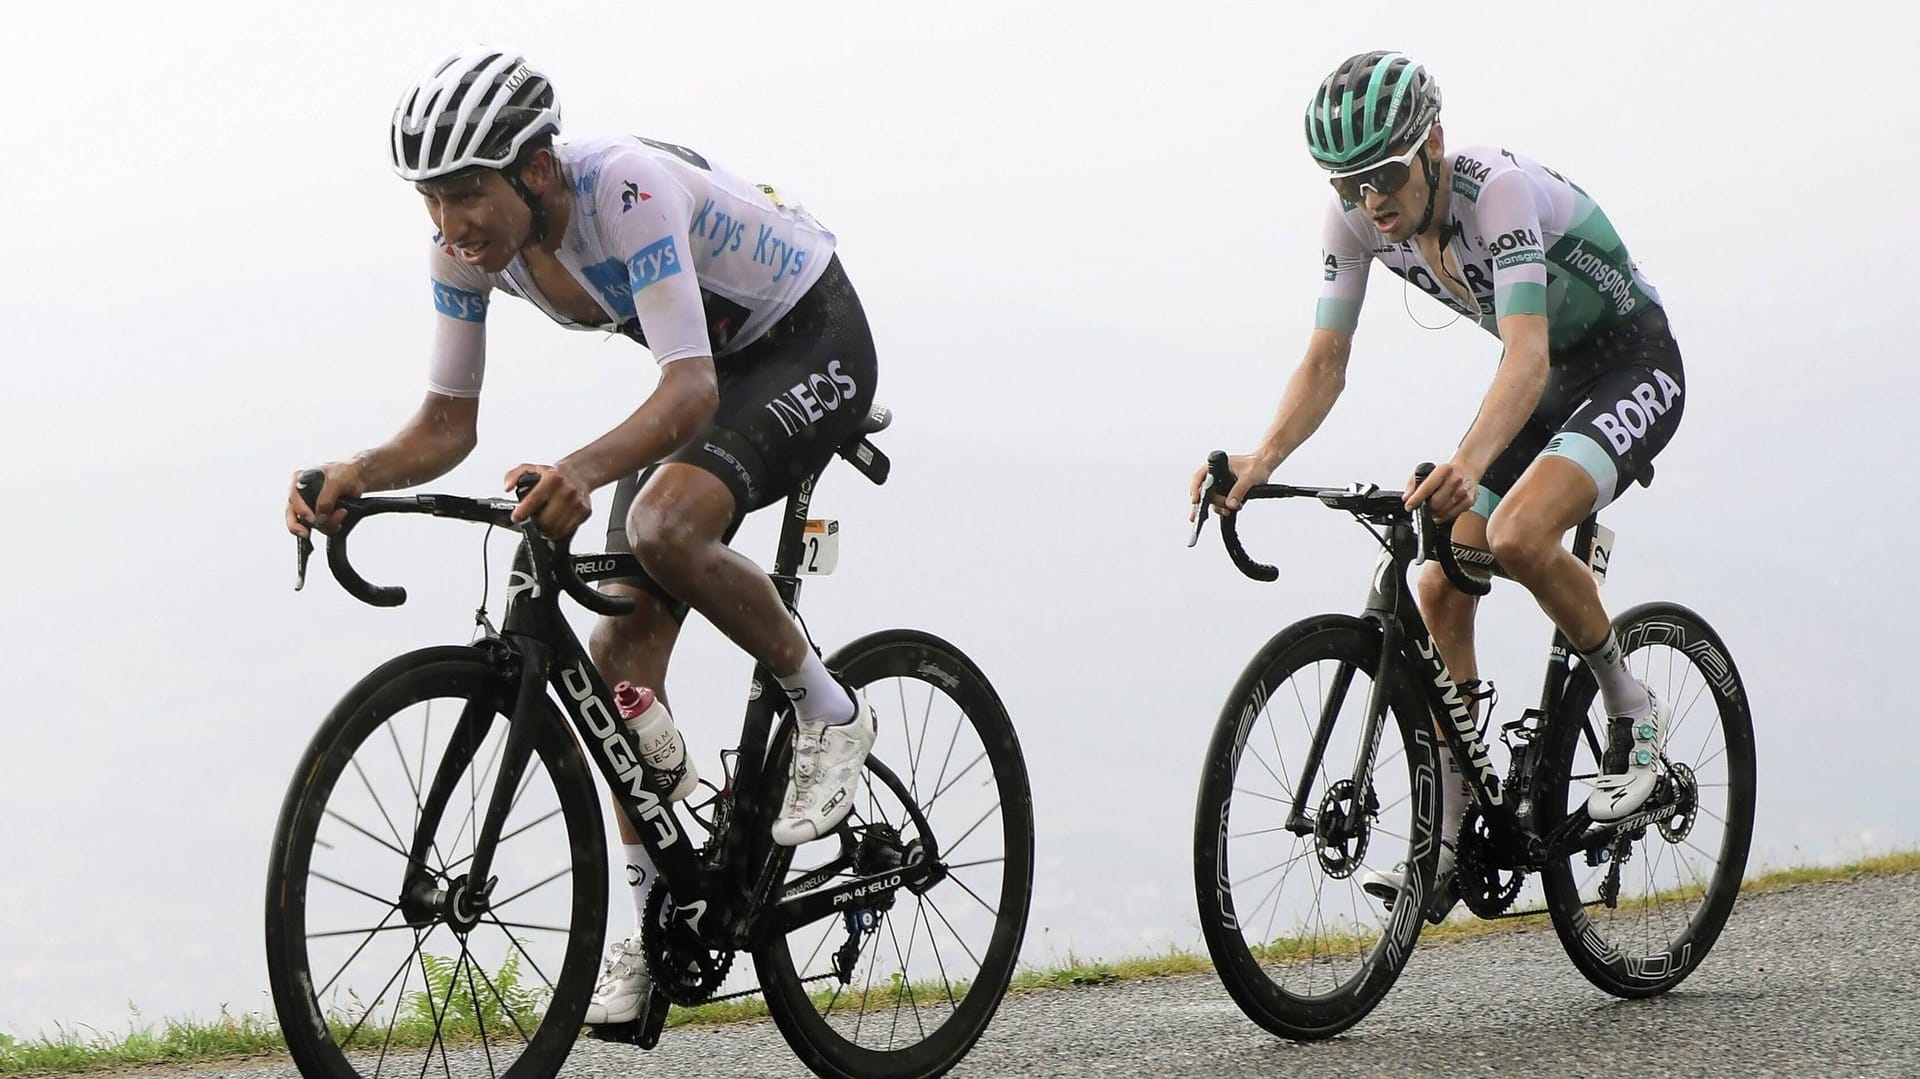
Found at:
[661, 747]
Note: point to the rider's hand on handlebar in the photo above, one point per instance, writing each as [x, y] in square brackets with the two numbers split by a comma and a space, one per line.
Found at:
[559, 503]
[1248, 471]
[1450, 488]
[343, 481]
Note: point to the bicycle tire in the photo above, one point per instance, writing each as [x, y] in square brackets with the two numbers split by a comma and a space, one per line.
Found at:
[830, 1043]
[1248, 968]
[1603, 949]
[348, 744]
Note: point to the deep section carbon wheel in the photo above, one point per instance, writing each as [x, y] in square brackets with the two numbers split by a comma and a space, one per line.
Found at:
[385, 954]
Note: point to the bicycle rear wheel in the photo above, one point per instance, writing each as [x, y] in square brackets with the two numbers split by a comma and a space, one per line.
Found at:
[372, 972]
[1297, 943]
[1639, 914]
[902, 988]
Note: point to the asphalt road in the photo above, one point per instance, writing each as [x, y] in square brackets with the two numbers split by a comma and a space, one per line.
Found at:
[1816, 980]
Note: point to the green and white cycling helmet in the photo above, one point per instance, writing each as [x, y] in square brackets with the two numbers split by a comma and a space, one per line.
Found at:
[1368, 120]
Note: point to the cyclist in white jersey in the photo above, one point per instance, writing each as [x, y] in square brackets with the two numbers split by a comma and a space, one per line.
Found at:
[1589, 386]
[766, 366]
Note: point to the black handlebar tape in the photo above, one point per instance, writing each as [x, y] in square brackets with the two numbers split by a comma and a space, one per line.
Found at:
[1440, 543]
[1223, 481]
[583, 593]
[379, 595]
[524, 485]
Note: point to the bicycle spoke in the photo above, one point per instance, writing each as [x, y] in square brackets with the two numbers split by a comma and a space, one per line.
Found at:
[942, 915]
[531, 962]
[964, 836]
[531, 888]
[523, 829]
[377, 803]
[927, 806]
[377, 899]
[371, 934]
[377, 839]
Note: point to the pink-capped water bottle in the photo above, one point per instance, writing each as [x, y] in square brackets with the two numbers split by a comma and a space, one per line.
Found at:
[661, 747]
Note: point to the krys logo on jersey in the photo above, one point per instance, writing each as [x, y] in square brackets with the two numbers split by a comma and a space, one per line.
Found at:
[729, 234]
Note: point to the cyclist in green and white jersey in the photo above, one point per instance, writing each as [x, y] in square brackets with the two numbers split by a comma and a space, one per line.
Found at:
[1588, 389]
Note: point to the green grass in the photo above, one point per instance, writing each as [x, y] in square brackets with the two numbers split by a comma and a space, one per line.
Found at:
[72, 1049]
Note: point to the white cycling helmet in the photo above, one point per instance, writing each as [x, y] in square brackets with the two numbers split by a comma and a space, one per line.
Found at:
[476, 107]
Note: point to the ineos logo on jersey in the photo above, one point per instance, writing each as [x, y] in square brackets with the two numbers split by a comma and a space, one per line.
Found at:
[1632, 416]
[810, 401]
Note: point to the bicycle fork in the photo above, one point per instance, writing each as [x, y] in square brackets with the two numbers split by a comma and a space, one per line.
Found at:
[464, 900]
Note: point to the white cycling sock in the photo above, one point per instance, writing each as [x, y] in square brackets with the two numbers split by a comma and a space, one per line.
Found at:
[816, 697]
[1453, 796]
[1622, 694]
[640, 874]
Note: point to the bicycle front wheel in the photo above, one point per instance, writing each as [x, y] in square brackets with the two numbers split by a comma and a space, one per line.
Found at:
[903, 987]
[1282, 843]
[381, 960]
[1638, 914]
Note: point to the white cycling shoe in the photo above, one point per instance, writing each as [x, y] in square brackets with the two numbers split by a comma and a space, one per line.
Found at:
[1386, 886]
[1619, 795]
[621, 994]
[826, 771]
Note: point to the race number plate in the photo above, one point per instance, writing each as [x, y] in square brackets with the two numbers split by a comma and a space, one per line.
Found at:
[820, 548]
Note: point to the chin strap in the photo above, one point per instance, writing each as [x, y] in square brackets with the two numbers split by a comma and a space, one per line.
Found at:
[1433, 192]
[540, 215]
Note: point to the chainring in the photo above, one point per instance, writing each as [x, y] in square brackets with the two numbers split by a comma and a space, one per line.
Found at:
[1686, 796]
[1340, 833]
[1487, 890]
[683, 967]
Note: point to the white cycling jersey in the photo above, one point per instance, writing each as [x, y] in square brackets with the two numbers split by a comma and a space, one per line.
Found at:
[686, 258]
[1527, 241]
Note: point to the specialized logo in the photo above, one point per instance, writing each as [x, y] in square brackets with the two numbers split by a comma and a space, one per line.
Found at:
[807, 402]
[1632, 416]
[619, 756]
[459, 303]
[1460, 715]
[654, 262]
[631, 195]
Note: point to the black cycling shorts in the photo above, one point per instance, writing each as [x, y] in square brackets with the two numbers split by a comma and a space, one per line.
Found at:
[1611, 404]
[787, 402]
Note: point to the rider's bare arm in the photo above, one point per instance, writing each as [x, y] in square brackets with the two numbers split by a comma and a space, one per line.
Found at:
[439, 436]
[1309, 397]
[679, 405]
[1516, 389]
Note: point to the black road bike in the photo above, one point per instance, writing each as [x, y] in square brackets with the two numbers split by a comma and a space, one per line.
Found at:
[1323, 766]
[439, 871]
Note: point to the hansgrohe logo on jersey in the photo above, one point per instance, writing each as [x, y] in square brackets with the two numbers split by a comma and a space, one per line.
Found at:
[1602, 275]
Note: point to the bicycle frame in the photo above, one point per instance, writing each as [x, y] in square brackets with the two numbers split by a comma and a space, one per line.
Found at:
[544, 651]
[1407, 640]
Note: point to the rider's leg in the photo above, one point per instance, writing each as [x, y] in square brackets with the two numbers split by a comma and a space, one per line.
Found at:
[1528, 532]
[677, 527]
[1449, 614]
[636, 648]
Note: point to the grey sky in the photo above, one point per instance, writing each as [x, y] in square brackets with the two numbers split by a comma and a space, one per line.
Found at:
[1087, 239]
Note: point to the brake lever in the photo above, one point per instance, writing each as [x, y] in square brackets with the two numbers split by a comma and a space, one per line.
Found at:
[1201, 509]
[311, 481]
